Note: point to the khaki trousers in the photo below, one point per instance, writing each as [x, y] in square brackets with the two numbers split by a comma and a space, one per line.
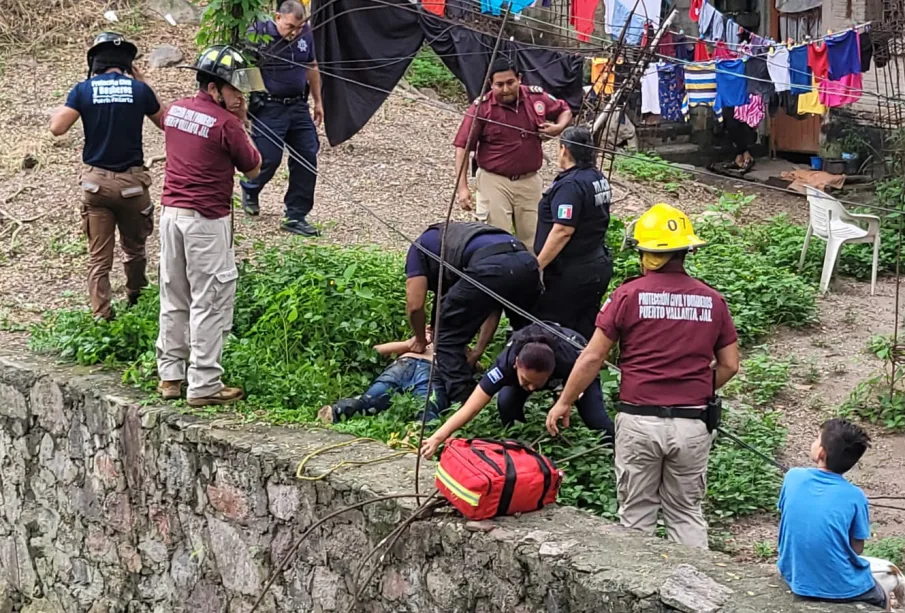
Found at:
[197, 291]
[661, 464]
[509, 205]
[112, 200]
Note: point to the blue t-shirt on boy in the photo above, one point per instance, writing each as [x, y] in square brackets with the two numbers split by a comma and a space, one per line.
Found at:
[821, 514]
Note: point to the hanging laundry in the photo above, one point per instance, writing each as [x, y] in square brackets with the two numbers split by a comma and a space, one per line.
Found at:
[866, 45]
[437, 7]
[778, 67]
[758, 76]
[672, 92]
[618, 19]
[650, 90]
[843, 55]
[731, 89]
[582, 18]
[844, 91]
[667, 45]
[718, 27]
[759, 44]
[700, 86]
[819, 61]
[495, 7]
[684, 50]
[694, 11]
[602, 78]
[881, 48]
[800, 73]
[810, 102]
[752, 113]
[731, 32]
[701, 53]
[706, 20]
[722, 52]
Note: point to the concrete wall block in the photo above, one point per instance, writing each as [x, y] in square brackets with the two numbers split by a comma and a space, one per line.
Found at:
[107, 506]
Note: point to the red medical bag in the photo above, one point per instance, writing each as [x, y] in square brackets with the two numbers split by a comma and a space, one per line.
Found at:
[486, 478]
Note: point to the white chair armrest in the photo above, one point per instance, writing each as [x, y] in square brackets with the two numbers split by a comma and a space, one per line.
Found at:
[873, 222]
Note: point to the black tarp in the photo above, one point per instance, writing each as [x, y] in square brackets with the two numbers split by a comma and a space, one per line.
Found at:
[364, 48]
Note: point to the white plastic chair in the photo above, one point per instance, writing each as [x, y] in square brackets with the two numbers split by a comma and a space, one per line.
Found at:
[830, 221]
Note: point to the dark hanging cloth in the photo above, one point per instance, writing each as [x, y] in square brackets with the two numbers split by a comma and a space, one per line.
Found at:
[467, 53]
[866, 44]
[759, 81]
[351, 38]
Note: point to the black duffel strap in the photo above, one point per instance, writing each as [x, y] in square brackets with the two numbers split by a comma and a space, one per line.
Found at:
[644, 410]
[510, 474]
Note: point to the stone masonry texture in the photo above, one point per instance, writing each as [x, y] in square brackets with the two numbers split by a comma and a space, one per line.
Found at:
[111, 506]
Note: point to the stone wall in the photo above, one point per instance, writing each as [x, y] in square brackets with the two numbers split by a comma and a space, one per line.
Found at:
[109, 506]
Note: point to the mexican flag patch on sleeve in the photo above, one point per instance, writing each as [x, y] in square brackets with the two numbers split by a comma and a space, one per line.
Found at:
[564, 211]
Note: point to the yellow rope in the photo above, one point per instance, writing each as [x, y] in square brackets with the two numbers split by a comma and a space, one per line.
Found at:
[344, 463]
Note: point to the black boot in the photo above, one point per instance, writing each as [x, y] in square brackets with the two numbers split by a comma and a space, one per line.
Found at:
[250, 204]
[299, 226]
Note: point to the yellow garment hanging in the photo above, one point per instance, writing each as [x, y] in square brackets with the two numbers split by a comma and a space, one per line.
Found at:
[602, 77]
[810, 102]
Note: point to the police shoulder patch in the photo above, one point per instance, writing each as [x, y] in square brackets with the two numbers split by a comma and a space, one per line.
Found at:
[564, 211]
[495, 375]
[536, 89]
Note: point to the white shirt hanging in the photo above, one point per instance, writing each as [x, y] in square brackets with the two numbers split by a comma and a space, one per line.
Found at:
[650, 90]
[778, 67]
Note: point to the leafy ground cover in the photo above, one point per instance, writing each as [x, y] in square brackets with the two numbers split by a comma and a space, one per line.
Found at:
[308, 315]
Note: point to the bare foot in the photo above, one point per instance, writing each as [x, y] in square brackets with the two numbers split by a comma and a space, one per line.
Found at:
[325, 414]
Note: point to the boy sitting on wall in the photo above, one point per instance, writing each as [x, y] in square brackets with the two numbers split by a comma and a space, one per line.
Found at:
[825, 521]
[408, 373]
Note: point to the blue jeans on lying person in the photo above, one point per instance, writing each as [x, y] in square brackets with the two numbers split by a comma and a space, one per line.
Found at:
[406, 374]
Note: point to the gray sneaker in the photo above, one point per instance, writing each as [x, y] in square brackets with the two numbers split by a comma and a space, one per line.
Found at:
[300, 227]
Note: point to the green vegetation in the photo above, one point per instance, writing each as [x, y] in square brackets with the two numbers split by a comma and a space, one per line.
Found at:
[649, 167]
[890, 548]
[879, 399]
[225, 21]
[428, 70]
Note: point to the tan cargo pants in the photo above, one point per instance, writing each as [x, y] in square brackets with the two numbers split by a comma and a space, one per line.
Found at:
[509, 205]
[197, 291]
[661, 464]
[112, 200]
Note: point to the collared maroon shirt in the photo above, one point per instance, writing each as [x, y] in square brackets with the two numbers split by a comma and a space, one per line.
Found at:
[669, 327]
[205, 144]
[505, 150]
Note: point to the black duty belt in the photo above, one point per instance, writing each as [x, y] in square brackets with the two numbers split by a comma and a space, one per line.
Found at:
[511, 246]
[286, 101]
[666, 412]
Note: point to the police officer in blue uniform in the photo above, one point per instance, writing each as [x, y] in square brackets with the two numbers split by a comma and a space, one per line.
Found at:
[288, 65]
[534, 359]
[491, 256]
[572, 220]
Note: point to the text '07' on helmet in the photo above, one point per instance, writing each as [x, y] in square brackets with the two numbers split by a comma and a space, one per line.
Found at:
[228, 64]
[663, 229]
[111, 41]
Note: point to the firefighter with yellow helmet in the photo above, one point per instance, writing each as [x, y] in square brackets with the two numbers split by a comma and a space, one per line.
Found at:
[671, 329]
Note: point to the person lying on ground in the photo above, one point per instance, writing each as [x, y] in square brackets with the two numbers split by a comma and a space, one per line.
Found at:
[825, 521]
[534, 359]
[409, 372]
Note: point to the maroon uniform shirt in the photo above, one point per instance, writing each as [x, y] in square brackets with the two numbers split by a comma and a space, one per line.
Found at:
[505, 150]
[669, 327]
[205, 144]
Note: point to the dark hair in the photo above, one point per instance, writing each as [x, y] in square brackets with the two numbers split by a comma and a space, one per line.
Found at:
[580, 144]
[537, 357]
[844, 444]
[106, 59]
[205, 79]
[501, 64]
[294, 8]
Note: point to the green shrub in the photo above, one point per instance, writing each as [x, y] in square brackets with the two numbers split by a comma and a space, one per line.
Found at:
[649, 167]
[427, 70]
[891, 548]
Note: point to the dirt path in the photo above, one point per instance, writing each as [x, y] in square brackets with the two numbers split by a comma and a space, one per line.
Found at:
[400, 165]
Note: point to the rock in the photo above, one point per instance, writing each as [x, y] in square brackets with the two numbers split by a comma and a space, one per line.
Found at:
[228, 500]
[427, 92]
[12, 402]
[284, 501]
[164, 55]
[182, 11]
[47, 405]
[689, 590]
[238, 569]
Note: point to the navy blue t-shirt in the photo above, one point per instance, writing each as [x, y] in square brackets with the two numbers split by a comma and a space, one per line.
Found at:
[113, 107]
[282, 60]
[416, 260]
[578, 197]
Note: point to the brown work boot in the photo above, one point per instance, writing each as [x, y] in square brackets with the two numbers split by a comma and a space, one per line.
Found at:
[325, 415]
[224, 396]
[170, 390]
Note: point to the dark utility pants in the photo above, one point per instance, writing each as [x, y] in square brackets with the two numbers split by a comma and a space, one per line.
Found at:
[573, 291]
[591, 406]
[292, 124]
[112, 200]
[514, 276]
